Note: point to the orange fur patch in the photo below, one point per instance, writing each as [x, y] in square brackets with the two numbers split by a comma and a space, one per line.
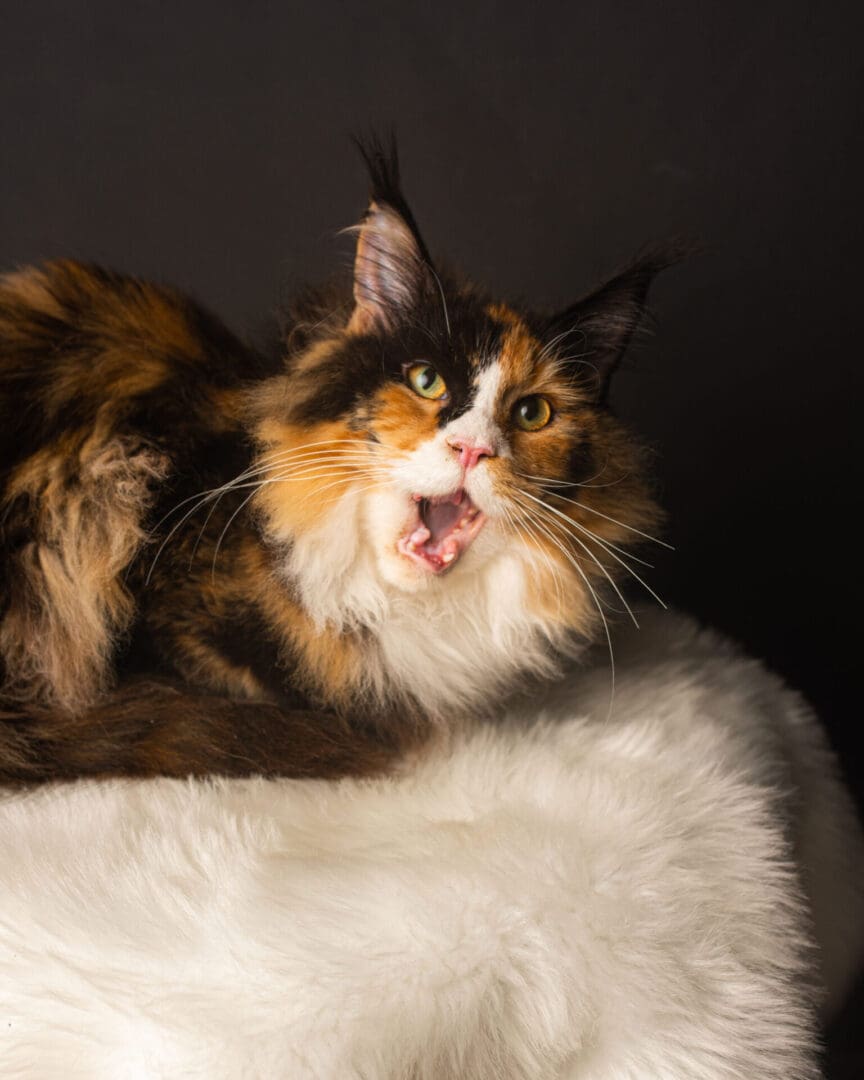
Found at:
[308, 468]
[402, 419]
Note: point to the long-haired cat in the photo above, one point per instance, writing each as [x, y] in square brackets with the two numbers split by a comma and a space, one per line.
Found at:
[214, 561]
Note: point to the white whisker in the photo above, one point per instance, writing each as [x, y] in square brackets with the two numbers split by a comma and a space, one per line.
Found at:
[615, 521]
[524, 521]
[602, 543]
[594, 559]
[568, 555]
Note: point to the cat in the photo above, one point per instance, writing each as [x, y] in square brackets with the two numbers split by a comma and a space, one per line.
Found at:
[216, 560]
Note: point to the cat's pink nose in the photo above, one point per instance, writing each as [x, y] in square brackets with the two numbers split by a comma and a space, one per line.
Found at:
[470, 452]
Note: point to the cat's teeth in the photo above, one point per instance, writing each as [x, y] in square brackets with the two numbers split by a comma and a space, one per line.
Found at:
[419, 537]
[465, 521]
[449, 557]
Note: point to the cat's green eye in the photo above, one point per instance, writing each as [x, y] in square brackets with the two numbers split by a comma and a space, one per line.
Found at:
[425, 381]
[532, 413]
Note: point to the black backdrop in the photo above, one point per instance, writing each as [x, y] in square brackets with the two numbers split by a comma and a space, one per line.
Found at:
[206, 144]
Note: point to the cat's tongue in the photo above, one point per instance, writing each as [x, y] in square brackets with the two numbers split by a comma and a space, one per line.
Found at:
[444, 529]
[440, 518]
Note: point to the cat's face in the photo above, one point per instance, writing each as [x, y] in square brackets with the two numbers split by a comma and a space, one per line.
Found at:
[435, 434]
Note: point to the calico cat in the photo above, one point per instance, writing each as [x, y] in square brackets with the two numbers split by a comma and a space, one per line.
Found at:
[218, 561]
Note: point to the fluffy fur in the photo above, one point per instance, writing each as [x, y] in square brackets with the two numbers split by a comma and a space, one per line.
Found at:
[559, 895]
[308, 533]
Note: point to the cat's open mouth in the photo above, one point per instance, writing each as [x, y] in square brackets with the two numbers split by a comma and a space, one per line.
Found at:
[442, 531]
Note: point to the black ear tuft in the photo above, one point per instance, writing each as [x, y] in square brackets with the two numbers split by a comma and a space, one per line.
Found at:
[594, 332]
[381, 155]
[392, 268]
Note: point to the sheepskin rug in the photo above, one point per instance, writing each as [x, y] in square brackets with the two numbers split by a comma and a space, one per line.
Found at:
[569, 893]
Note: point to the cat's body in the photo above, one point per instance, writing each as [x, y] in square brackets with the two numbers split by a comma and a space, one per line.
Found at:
[445, 500]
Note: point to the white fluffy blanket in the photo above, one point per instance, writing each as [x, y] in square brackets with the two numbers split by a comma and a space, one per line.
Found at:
[563, 895]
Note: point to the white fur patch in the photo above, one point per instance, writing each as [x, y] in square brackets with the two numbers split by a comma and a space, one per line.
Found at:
[479, 423]
[558, 896]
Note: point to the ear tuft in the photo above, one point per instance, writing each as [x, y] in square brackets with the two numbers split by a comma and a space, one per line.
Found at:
[595, 331]
[381, 156]
[392, 268]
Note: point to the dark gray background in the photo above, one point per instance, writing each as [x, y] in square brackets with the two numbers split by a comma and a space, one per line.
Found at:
[206, 145]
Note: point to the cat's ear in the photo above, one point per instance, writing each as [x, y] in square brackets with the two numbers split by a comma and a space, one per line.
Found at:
[592, 335]
[392, 269]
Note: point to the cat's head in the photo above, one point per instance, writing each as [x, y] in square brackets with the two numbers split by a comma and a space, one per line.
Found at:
[426, 434]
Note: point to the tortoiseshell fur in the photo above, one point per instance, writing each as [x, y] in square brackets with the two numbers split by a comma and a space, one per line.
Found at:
[137, 640]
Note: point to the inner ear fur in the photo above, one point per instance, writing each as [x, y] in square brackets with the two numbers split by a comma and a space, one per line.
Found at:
[592, 334]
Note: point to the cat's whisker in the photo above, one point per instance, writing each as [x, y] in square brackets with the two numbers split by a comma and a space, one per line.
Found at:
[522, 526]
[651, 592]
[357, 491]
[552, 482]
[443, 300]
[601, 543]
[228, 524]
[615, 521]
[549, 348]
[299, 454]
[285, 459]
[276, 458]
[238, 483]
[309, 471]
[626, 607]
[310, 445]
[298, 466]
[593, 558]
[607, 632]
[354, 478]
[307, 456]
[608, 544]
[214, 492]
[202, 498]
[256, 487]
[351, 446]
